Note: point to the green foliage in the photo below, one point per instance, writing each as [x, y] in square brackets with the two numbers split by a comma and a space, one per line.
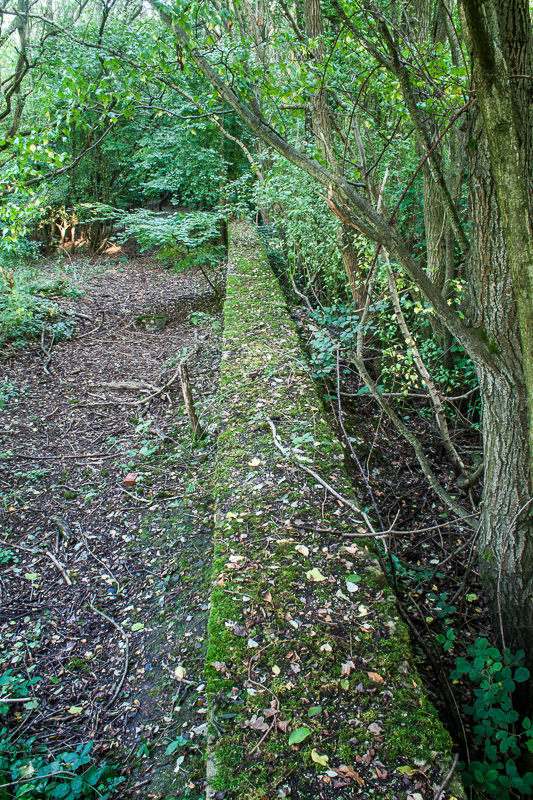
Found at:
[497, 731]
[26, 309]
[170, 232]
[35, 775]
[28, 771]
[338, 327]
[8, 389]
[310, 251]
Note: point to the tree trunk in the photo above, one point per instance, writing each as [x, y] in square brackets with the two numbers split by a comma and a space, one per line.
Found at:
[501, 43]
[506, 542]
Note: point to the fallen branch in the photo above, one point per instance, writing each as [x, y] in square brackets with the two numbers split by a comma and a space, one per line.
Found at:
[122, 632]
[172, 380]
[59, 458]
[47, 351]
[130, 385]
[438, 793]
[197, 430]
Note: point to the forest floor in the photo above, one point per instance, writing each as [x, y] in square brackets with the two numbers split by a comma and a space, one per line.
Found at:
[103, 585]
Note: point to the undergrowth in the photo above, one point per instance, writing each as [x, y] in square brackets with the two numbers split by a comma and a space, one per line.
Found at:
[27, 305]
[28, 769]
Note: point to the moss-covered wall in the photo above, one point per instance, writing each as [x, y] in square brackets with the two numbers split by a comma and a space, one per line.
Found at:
[303, 630]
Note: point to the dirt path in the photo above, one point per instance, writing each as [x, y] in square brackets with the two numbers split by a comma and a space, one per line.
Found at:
[102, 584]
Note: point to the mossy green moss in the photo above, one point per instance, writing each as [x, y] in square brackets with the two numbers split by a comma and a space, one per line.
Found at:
[288, 631]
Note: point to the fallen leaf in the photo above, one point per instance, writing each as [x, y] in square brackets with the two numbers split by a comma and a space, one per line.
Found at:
[75, 710]
[347, 668]
[352, 587]
[254, 462]
[252, 643]
[283, 724]
[318, 759]
[352, 549]
[276, 670]
[299, 735]
[375, 677]
[314, 711]
[301, 548]
[315, 575]
[267, 597]
[179, 762]
[179, 672]
[406, 770]
[257, 723]
[348, 771]
[374, 728]
[345, 683]
[239, 630]
[326, 648]
[220, 666]
[235, 559]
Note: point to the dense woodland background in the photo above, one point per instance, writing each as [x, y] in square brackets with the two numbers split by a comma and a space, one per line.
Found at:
[384, 149]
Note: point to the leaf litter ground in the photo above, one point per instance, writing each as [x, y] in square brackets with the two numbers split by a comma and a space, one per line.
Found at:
[103, 585]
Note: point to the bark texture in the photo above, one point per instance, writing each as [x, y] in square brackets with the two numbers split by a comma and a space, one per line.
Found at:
[506, 542]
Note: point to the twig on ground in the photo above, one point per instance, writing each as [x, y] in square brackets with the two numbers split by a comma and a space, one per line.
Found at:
[15, 699]
[286, 451]
[438, 793]
[96, 557]
[14, 454]
[171, 380]
[94, 330]
[124, 635]
[60, 567]
[47, 351]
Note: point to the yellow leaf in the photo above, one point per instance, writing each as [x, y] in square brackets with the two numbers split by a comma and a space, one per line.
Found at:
[318, 759]
[75, 710]
[254, 462]
[375, 677]
[276, 670]
[179, 672]
[301, 548]
[315, 575]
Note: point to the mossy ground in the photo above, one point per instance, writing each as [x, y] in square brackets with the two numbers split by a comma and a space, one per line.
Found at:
[303, 630]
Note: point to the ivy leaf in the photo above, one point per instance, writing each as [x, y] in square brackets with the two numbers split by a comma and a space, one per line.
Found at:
[299, 735]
